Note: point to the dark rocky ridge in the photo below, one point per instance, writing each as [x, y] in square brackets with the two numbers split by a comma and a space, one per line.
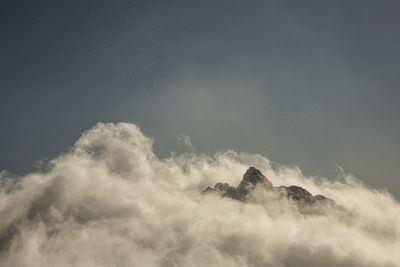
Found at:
[304, 200]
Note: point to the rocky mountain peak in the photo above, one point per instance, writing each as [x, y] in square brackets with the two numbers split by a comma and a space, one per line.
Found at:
[253, 176]
[306, 202]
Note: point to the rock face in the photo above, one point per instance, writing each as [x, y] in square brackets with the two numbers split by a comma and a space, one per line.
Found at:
[304, 200]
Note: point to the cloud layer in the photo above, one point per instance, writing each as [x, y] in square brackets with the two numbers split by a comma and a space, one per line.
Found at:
[110, 201]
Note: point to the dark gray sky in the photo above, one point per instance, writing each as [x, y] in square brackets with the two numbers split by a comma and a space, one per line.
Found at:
[310, 83]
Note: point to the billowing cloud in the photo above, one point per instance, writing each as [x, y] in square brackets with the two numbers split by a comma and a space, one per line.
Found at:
[110, 201]
[184, 140]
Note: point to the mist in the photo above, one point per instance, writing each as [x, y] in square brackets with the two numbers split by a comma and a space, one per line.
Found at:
[110, 201]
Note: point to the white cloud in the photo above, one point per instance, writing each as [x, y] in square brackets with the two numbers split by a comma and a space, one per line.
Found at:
[185, 141]
[111, 202]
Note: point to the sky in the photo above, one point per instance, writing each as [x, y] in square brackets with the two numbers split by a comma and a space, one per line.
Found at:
[312, 84]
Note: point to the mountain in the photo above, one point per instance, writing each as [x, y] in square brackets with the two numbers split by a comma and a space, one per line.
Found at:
[253, 178]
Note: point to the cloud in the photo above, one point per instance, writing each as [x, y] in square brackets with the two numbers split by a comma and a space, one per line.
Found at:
[111, 202]
[184, 140]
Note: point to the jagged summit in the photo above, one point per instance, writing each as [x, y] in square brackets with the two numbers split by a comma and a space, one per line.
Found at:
[253, 177]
